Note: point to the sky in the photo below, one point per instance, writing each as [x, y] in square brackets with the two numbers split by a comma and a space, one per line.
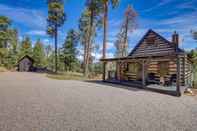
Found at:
[163, 16]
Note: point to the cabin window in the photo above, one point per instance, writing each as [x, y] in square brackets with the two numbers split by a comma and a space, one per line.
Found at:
[133, 67]
[163, 68]
[150, 40]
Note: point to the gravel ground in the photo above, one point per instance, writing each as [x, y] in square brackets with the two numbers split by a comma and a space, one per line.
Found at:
[32, 102]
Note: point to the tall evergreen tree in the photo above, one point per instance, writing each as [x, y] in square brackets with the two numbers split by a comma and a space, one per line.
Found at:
[84, 30]
[39, 54]
[69, 50]
[25, 48]
[56, 18]
[106, 4]
[88, 23]
[12, 49]
[8, 43]
[5, 22]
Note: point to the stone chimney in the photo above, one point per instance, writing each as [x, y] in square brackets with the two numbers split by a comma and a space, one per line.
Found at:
[175, 39]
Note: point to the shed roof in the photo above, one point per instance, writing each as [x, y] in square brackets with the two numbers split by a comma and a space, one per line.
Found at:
[26, 56]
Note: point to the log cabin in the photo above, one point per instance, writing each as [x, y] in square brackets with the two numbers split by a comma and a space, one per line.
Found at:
[153, 61]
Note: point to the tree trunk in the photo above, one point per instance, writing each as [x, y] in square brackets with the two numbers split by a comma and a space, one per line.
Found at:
[56, 34]
[89, 44]
[85, 57]
[86, 63]
[105, 28]
[105, 36]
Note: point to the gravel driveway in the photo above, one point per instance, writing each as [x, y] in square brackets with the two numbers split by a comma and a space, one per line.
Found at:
[32, 102]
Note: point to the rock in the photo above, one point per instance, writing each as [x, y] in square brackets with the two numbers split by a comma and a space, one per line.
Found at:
[188, 91]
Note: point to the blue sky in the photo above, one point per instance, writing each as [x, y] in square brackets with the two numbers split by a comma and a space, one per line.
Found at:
[163, 16]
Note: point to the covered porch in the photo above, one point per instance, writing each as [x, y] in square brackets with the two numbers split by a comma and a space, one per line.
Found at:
[155, 73]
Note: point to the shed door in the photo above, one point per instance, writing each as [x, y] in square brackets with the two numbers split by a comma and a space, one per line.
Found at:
[25, 65]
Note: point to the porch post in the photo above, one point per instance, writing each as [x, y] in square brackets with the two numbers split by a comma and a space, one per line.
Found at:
[104, 70]
[143, 74]
[184, 78]
[178, 77]
[118, 70]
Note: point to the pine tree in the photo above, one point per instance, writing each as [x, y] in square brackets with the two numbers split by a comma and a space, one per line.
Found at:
[84, 37]
[8, 43]
[11, 59]
[39, 54]
[106, 4]
[56, 18]
[89, 22]
[26, 47]
[69, 50]
[5, 23]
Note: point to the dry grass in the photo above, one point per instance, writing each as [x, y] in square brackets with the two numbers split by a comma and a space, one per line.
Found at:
[67, 76]
[2, 69]
[73, 76]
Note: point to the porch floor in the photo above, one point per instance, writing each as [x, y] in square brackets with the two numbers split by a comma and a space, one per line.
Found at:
[127, 83]
[153, 87]
[167, 88]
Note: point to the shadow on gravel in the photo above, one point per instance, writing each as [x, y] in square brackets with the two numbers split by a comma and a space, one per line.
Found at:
[132, 88]
[113, 85]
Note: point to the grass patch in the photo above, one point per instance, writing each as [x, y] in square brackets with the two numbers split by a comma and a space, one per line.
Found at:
[3, 69]
[195, 81]
[195, 85]
[67, 76]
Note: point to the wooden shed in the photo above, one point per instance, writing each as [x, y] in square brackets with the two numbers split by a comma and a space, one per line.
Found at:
[25, 64]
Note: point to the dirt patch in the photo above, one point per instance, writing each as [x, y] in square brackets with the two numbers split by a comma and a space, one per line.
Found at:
[194, 91]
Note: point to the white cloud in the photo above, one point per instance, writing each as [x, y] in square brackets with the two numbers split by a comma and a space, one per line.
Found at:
[160, 3]
[37, 33]
[110, 55]
[46, 40]
[98, 56]
[27, 17]
[80, 57]
[110, 45]
[20, 38]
